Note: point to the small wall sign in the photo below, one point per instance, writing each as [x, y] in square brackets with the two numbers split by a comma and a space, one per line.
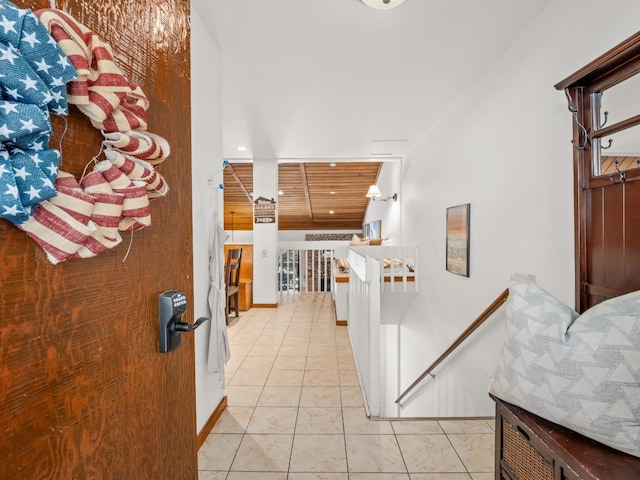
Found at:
[264, 210]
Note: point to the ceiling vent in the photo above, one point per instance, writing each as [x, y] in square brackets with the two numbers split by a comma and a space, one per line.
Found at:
[387, 148]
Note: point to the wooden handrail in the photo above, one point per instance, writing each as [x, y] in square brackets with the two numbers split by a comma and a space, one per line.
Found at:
[497, 303]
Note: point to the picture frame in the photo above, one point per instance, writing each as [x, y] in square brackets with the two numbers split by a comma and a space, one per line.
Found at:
[372, 230]
[457, 248]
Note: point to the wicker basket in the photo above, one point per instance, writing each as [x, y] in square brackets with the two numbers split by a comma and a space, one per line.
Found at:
[521, 458]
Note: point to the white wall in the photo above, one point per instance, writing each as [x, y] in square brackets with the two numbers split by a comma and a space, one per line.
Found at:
[504, 147]
[265, 236]
[206, 160]
[390, 211]
[240, 236]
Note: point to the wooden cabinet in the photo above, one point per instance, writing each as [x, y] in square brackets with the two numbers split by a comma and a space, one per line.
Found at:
[245, 295]
[531, 448]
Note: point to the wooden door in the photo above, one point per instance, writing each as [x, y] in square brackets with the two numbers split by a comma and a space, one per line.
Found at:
[84, 391]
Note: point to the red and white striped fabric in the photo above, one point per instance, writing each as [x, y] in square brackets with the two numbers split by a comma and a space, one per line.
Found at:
[101, 91]
[139, 170]
[75, 202]
[58, 233]
[112, 174]
[94, 182]
[62, 225]
[98, 211]
[95, 244]
[85, 218]
[136, 212]
[106, 214]
[108, 205]
[66, 179]
[143, 145]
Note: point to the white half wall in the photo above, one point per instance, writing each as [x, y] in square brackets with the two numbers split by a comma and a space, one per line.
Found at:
[206, 162]
[504, 147]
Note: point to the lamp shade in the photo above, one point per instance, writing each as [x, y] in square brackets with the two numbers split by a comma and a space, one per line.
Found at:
[382, 4]
[374, 192]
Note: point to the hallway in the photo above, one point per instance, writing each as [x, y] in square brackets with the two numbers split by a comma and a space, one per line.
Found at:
[295, 411]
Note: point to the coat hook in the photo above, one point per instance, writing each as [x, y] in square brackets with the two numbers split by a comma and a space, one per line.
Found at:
[606, 117]
[225, 164]
[608, 146]
[621, 175]
[585, 134]
[574, 111]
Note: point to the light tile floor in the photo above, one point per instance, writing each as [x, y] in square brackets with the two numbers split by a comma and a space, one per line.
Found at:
[295, 411]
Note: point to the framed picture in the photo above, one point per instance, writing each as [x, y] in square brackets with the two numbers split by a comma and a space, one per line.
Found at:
[372, 229]
[458, 239]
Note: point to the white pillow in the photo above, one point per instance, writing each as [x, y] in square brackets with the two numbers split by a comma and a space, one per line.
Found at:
[582, 372]
[357, 242]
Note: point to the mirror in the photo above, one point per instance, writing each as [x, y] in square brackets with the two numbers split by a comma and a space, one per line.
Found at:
[622, 146]
[620, 101]
[610, 107]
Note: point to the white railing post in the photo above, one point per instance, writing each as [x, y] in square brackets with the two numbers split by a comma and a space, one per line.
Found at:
[364, 325]
[374, 336]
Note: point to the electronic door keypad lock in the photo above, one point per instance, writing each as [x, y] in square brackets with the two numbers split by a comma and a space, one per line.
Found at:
[172, 305]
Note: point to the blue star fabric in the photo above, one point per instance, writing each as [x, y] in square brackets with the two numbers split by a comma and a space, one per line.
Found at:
[34, 72]
[27, 177]
[39, 69]
[18, 80]
[48, 161]
[33, 183]
[11, 207]
[22, 124]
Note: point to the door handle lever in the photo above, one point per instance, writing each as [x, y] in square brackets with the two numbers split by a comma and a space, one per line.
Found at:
[189, 327]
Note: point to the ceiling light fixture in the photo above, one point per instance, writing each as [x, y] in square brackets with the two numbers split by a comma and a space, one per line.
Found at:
[242, 149]
[375, 194]
[382, 4]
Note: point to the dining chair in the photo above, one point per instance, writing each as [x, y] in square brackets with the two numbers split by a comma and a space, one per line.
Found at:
[232, 281]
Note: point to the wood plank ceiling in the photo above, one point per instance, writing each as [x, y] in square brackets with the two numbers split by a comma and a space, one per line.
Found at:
[310, 192]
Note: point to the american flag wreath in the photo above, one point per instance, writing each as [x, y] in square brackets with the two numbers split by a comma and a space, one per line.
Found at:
[48, 60]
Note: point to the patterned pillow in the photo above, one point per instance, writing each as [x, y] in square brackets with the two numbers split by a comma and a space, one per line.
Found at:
[582, 372]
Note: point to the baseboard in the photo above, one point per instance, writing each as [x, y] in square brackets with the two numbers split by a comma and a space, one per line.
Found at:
[264, 305]
[339, 323]
[206, 430]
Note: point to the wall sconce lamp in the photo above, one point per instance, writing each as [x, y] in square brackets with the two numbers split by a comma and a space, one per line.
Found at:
[375, 194]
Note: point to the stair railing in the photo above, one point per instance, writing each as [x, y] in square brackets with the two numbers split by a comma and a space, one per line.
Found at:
[497, 303]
